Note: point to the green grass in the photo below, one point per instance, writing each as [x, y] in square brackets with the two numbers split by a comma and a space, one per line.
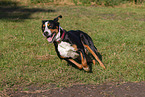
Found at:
[27, 58]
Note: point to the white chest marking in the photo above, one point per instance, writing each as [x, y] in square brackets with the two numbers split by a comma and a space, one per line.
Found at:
[66, 50]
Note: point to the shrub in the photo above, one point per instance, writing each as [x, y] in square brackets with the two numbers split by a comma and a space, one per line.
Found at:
[75, 2]
[110, 2]
[41, 1]
[85, 1]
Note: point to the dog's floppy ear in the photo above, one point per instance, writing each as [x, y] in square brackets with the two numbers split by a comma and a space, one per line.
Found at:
[56, 19]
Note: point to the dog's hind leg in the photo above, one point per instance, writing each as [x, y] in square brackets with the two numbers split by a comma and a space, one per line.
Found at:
[90, 59]
[84, 62]
[74, 62]
[94, 54]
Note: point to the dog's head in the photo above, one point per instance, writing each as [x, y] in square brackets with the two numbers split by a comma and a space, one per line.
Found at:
[50, 29]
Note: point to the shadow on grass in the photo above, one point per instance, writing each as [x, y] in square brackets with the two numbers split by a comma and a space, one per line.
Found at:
[11, 11]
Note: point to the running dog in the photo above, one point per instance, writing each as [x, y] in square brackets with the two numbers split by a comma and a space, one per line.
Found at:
[71, 45]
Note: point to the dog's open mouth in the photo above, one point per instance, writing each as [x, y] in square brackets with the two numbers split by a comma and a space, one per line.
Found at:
[51, 38]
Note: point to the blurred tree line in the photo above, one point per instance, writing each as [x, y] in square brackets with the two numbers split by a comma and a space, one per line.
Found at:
[83, 2]
[99, 2]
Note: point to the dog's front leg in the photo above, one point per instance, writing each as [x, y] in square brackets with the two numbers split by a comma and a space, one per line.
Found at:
[77, 64]
[84, 62]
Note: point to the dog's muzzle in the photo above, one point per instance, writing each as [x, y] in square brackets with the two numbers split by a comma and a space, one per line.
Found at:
[51, 37]
[46, 34]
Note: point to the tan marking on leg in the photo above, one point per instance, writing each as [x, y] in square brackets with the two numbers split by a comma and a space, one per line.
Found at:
[84, 63]
[93, 62]
[62, 57]
[96, 57]
[77, 64]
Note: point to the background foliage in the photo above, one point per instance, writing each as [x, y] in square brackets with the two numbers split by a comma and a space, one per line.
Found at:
[99, 2]
[81, 2]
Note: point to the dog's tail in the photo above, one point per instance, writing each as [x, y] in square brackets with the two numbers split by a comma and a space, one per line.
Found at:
[57, 18]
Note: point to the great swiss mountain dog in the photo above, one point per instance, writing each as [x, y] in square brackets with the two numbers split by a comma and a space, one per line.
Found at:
[71, 45]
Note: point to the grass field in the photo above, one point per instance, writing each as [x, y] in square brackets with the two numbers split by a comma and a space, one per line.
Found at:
[27, 58]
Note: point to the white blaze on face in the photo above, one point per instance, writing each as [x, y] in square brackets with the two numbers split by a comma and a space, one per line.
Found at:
[46, 28]
[49, 32]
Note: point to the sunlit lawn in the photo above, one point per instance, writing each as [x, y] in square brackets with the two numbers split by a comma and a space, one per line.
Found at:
[27, 58]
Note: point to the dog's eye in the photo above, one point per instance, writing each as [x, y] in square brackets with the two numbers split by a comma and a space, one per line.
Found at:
[43, 25]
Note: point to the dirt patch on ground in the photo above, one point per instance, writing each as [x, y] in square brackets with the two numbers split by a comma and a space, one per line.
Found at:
[105, 90]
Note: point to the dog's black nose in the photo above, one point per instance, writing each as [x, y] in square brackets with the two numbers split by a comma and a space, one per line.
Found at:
[45, 34]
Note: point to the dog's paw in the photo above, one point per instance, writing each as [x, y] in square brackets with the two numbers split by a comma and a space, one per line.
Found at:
[86, 69]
